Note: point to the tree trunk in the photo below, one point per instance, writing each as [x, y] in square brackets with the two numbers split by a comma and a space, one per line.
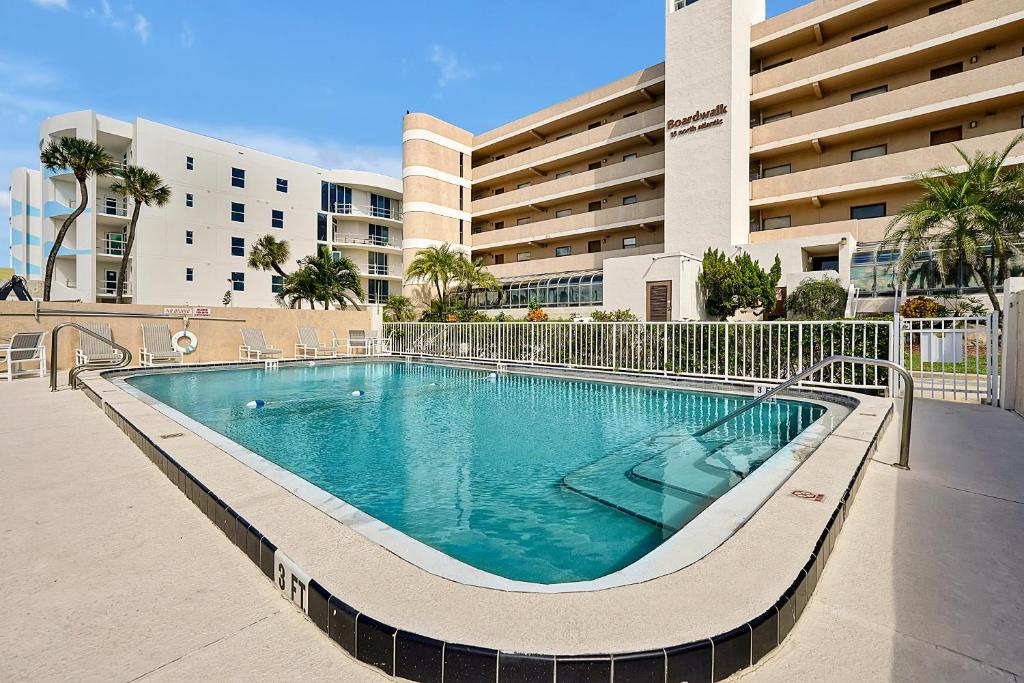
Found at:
[986, 280]
[122, 273]
[58, 241]
[277, 269]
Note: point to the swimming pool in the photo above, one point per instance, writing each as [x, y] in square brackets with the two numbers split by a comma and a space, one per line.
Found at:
[531, 478]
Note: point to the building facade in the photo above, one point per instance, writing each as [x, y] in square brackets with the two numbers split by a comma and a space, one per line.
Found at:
[195, 249]
[796, 136]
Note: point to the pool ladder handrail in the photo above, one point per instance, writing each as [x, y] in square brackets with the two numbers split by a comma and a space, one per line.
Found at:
[124, 361]
[908, 399]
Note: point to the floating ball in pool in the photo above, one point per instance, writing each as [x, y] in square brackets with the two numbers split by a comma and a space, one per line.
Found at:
[358, 392]
[258, 403]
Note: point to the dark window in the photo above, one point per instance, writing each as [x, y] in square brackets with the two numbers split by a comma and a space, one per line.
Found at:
[189, 201]
[238, 246]
[237, 212]
[462, 198]
[946, 135]
[238, 177]
[276, 284]
[948, 70]
[629, 243]
[777, 117]
[188, 275]
[321, 227]
[943, 7]
[238, 282]
[282, 185]
[630, 199]
[594, 206]
[190, 164]
[276, 218]
[499, 190]
[499, 259]
[628, 114]
[781, 169]
[593, 166]
[861, 36]
[776, 222]
[595, 124]
[776, 64]
[499, 225]
[870, 92]
[820, 263]
[869, 152]
[188, 237]
[594, 247]
[377, 291]
[868, 211]
[462, 227]
[462, 164]
[563, 251]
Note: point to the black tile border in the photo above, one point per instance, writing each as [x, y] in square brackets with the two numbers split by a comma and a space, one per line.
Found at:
[417, 657]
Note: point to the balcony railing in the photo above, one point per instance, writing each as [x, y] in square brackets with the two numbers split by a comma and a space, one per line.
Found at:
[107, 246]
[387, 213]
[112, 206]
[368, 241]
[108, 288]
[374, 269]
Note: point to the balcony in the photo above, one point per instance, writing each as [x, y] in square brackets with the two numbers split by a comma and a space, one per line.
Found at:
[643, 169]
[973, 87]
[375, 213]
[863, 230]
[113, 206]
[106, 288]
[385, 272]
[647, 126]
[565, 264]
[362, 242]
[640, 214]
[878, 172]
[913, 40]
[112, 247]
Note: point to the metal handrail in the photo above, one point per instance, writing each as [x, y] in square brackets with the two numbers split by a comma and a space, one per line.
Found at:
[908, 399]
[124, 361]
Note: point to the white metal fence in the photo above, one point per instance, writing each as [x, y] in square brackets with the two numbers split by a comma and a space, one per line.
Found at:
[952, 358]
[744, 351]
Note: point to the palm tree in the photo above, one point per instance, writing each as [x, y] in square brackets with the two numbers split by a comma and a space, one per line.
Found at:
[84, 158]
[473, 274]
[298, 287]
[399, 309]
[326, 278]
[268, 253]
[437, 265]
[965, 216]
[144, 188]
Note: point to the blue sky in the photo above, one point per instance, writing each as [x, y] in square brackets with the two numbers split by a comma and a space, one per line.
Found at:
[321, 82]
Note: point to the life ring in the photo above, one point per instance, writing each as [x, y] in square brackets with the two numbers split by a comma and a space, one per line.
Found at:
[192, 342]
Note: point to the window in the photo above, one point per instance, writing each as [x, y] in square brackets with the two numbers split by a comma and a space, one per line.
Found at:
[594, 165]
[777, 117]
[237, 212]
[188, 237]
[522, 185]
[868, 211]
[282, 185]
[189, 200]
[948, 70]
[190, 164]
[820, 263]
[628, 114]
[499, 225]
[629, 199]
[380, 206]
[781, 169]
[238, 246]
[868, 152]
[462, 165]
[522, 221]
[777, 222]
[861, 36]
[563, 136]
[594, 206]
[563, 251]
[238, 282]
[946, 135]
[276, 218]
[321, 227]
[943, 7]
[523, 256]
[188, 275]
[563, 174]
[238, 177]
[335, 198]
[377, 291]
[629, 157]
[377, 264]
[564, 289]
[594, 247]
[629, 243]
[499, 190]
[776, 64]
[595, 124]
[462, 228]
[870, 92]
[562, 213]
[499, 259]
[379, 234]
[462, 198]
[276, 284]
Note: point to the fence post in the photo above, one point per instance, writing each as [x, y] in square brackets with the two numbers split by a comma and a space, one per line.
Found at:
[895, 351]
[726, 365]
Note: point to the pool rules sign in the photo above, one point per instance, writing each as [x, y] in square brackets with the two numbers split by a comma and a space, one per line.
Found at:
[291, 580]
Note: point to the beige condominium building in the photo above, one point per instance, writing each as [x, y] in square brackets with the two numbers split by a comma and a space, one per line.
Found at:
[795, 136]
[195, 249]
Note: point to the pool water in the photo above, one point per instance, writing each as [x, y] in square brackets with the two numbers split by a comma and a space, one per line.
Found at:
[528, 477]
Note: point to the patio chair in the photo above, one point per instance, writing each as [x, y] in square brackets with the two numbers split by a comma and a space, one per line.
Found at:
[25, 347]
[255, 347]
[158, 348]
[310, 347]
[357, 339]
[93, 351]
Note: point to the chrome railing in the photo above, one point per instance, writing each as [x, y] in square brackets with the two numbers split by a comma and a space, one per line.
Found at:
[369, 241]
[124, 361]
[908, 399]
[112, 206]
[110, 247]
[389, 213]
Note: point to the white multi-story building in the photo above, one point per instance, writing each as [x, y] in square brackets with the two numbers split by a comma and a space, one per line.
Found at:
[223, 198]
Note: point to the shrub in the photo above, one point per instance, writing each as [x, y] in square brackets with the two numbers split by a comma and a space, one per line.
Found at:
[622, 315]
[536, 314]
[731, 285]
[922, 307]
[823, 299]
[963, 307]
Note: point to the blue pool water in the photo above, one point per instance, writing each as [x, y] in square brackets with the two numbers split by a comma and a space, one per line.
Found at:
[527, 477]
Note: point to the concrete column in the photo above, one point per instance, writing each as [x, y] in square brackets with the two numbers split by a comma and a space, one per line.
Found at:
[1011, 381]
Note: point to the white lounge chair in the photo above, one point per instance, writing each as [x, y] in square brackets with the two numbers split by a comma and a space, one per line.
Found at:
[93, 351]
[25, 347]
[357, 340]
[310, 347]
[158, 347]
[255, 347]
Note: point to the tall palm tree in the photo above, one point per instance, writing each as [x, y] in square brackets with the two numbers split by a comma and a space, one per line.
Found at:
[966, 216]
[473, 274]
[298, 287]
[84, 158]
[326, 278]
[437, 265]
[399, 309]
[144, 188]
[268, 253]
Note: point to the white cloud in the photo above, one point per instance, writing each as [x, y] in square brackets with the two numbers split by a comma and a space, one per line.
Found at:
[59, 4]
[450, 70]
[24, 87]
[141, 28]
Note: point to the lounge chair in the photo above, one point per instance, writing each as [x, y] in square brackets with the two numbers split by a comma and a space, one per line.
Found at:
[310, 347]
[25, 347]
[255, 347]
[158, 348]
[93, 351]
[357, 339]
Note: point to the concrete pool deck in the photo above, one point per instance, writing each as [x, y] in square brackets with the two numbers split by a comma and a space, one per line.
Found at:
[934, 599]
